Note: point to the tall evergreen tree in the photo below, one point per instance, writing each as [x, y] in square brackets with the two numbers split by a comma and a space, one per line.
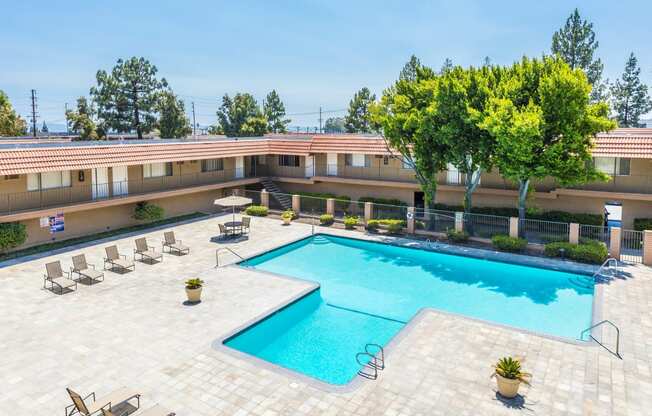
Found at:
[274, 110]
[358, 119]
[127, 97]
[409, 71]
[629, 96]
[446, 66]
[172, 122]
[241, 116]
[334, 125]
[44, 128]
[11, 124]
[575, 43]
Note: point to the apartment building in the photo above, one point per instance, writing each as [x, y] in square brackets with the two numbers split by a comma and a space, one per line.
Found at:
[95, 185]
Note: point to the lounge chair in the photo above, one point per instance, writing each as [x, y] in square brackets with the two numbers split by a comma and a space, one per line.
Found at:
[84, 406]
[246, 221]
[55, 277]
[83, 270]
[146, 252]
[173, 244]
[117, 260]
[152, 411]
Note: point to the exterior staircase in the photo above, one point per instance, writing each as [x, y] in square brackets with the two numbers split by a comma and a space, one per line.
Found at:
[283, 199]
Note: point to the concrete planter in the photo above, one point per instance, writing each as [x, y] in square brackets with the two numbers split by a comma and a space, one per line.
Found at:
[507, 387]
[194, 295]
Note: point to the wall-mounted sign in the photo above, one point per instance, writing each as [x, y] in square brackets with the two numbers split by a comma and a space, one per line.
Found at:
[44, 222]
[56, 223]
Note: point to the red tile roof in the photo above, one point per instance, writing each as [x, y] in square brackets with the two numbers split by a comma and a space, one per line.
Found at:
[633, 143]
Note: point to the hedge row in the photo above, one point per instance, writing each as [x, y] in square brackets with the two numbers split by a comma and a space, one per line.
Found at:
[591, 251]
[642, 224]
[558, 216]
[506, 243]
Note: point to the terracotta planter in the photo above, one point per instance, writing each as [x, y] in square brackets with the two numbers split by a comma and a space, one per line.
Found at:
[287, 220]
[507, 387]
[194, 295]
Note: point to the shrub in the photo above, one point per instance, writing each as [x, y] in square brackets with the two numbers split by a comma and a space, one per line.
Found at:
[642, 224]
[384, 201]
[506, 243]
[350, 222]
[194, 283]
[457, 236]
[591, 251]
[257, 210]
[395, 227]
[558, 216]
[289, 214]
[372, 225]
[12, 234]
[146, 211]
[326, 219]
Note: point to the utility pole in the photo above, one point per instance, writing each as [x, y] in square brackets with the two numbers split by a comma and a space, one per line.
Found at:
[320, 119]
[34, 113]
[67, 126]
[194, 124]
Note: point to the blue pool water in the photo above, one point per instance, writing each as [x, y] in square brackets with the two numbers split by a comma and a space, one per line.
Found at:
[370, 290]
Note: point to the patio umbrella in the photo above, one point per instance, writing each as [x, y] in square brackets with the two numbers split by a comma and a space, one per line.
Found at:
[233, 201]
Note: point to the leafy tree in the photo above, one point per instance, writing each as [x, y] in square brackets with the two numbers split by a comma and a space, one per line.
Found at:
[630, 98]
[44, 127]
[358, 119]
[81, 121]
[127, 97]
[215, 129]
[12, 234]
[446, 66]
[460, 95]
[334, 125]
[172, 122]
[575, 43]
[274, 110]
[401, 115]
[409, 71]
[11, 124]
[241, 116]
[544, 124]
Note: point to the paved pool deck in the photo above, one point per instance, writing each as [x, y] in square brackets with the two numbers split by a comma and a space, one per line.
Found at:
[135, 330]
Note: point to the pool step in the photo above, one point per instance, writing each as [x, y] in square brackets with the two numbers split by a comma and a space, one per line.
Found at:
[320, 240]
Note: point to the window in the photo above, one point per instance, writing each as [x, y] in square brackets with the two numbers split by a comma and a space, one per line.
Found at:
[48, 180]
[212, 165]
[9, 177]
[385, 160]
[614, 166]
[288, 160]
[405, 163]
[357, 160]
[156, 170]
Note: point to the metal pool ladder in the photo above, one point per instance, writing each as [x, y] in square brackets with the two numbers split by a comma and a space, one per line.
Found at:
[217, 255]
[606, 321]
[369, 369]
[609, 263]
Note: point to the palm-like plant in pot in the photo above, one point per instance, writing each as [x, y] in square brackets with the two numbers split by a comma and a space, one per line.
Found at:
[509, 376]
[193, 289]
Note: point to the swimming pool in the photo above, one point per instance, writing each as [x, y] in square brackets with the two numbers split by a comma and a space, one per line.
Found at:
[369, 291]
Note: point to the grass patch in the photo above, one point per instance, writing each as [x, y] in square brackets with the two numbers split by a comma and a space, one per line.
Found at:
[92, 237]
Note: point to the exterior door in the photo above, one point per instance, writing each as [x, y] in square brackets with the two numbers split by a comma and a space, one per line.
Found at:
[100, 183]
[120, 180]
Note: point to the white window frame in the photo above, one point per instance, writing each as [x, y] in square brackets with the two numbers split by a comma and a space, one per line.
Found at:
[157, 170]
[612, 165]
[212, 165]
[54, 180]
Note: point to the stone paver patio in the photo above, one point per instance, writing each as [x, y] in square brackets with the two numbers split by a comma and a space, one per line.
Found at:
[134, 330]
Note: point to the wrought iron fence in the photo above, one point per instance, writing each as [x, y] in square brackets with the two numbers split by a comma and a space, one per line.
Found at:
[389, 212]
[485, 226]
[434, 220]
[542, 232]
[595, 232]
[312, 205]
[631, 246]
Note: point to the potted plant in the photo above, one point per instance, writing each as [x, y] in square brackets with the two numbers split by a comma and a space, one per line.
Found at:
[350, 222]
[509, 376]
[287, 216]
[193, 289]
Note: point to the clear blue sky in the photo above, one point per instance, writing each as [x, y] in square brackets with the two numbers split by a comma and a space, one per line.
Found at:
[314, 53]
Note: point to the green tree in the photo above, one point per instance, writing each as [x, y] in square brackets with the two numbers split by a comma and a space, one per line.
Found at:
[544, 124]
[358, 119]
[274, 110]
[81, 121]
[127, 97]
[402, 117]
[334, 125]
[409, 71]
[11, 124]
[172, 122]
[241, 116]
[44, 127]
[446, 66]
[630, 98]
[460, 95]
[575, 43]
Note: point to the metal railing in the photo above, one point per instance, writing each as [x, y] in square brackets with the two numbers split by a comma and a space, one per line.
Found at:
[595, 232]
[485, 226]
[542, 232]
[370, 363]
[217, 255]
[631, 246]
[608, 322]
[434, 220]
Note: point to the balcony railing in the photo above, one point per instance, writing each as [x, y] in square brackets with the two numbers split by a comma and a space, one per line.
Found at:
[47, 198]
